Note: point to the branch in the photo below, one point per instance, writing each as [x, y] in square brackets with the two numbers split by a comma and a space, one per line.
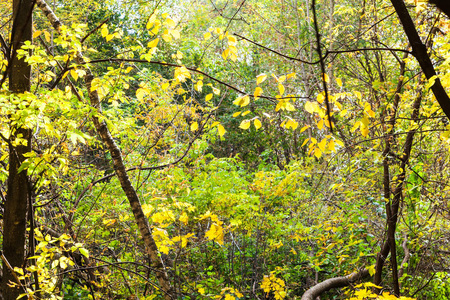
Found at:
[276, 52]
[332, 283]
[322, 65]
[93, 30]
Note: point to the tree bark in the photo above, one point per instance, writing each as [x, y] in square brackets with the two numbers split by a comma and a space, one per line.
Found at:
[119, 168]
[333, 283]
[443, 5]
[420, 53]
[15, 214]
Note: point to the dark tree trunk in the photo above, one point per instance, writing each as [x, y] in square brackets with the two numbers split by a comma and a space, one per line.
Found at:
[421, 54]
[443, 5]
[15, 215]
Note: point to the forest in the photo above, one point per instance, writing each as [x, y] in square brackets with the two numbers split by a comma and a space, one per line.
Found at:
[225, 149]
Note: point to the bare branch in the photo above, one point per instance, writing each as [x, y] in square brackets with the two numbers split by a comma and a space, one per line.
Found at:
[333, 283]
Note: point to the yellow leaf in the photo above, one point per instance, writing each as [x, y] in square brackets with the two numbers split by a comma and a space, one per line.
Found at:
[304, 128]
[304, 142]
[242, 101]
[281, 89]
[208, 97]
[74, 74]
[261, 78]
[215, 233]
[147, 209]
[225, 53]
[257, 124]
[246, 113]
[320, 124]
[207, 35]
[309, 107]
[155, 30]
[109, 37]
[331, 145]
[36, 34]
[291, 124]
[221, 130]
[184, 218]
[364, 131]
[199, 86]
[288, 106]
[140, 93]
[170, 22]
[236, 114]
[339, 82]
[258, 92]
[291, 75]
[322, 145]
[326, 78]
[216, 91]
[47, 36]
[104, 31]
[194, 126]
[166, 36]
[358, 95]
[182, 73]
[151, 20]
[165, 85]
[339, 142]
[153, 44]
[231, 39]
[175, 33]
[317, 153]
[320, 97]
[245, 124]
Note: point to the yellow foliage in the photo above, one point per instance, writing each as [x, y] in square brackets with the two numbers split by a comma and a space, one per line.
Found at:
[364, 291]
[275, 285]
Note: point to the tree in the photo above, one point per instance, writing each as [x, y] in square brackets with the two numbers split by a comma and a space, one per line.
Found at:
[18, 196]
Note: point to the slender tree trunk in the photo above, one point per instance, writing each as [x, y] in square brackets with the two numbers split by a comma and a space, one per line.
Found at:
[15, 215]
[119, 168]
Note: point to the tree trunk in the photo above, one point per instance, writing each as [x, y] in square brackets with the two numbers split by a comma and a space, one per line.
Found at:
[120, 170]
[421, 54]
[15, 215]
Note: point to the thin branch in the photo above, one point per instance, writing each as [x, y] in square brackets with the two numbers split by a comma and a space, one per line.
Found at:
[322, 65]
[93, 30]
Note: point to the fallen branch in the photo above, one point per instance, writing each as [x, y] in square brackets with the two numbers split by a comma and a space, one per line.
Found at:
[333, 283]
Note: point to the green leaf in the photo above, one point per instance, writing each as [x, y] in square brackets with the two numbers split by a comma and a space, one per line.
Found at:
[84, 252]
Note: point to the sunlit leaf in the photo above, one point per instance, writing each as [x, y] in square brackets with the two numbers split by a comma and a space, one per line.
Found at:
[261, 78]
[194, 126]
[257, 123]
[258, 92]
[221, 130]
[245, 124]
